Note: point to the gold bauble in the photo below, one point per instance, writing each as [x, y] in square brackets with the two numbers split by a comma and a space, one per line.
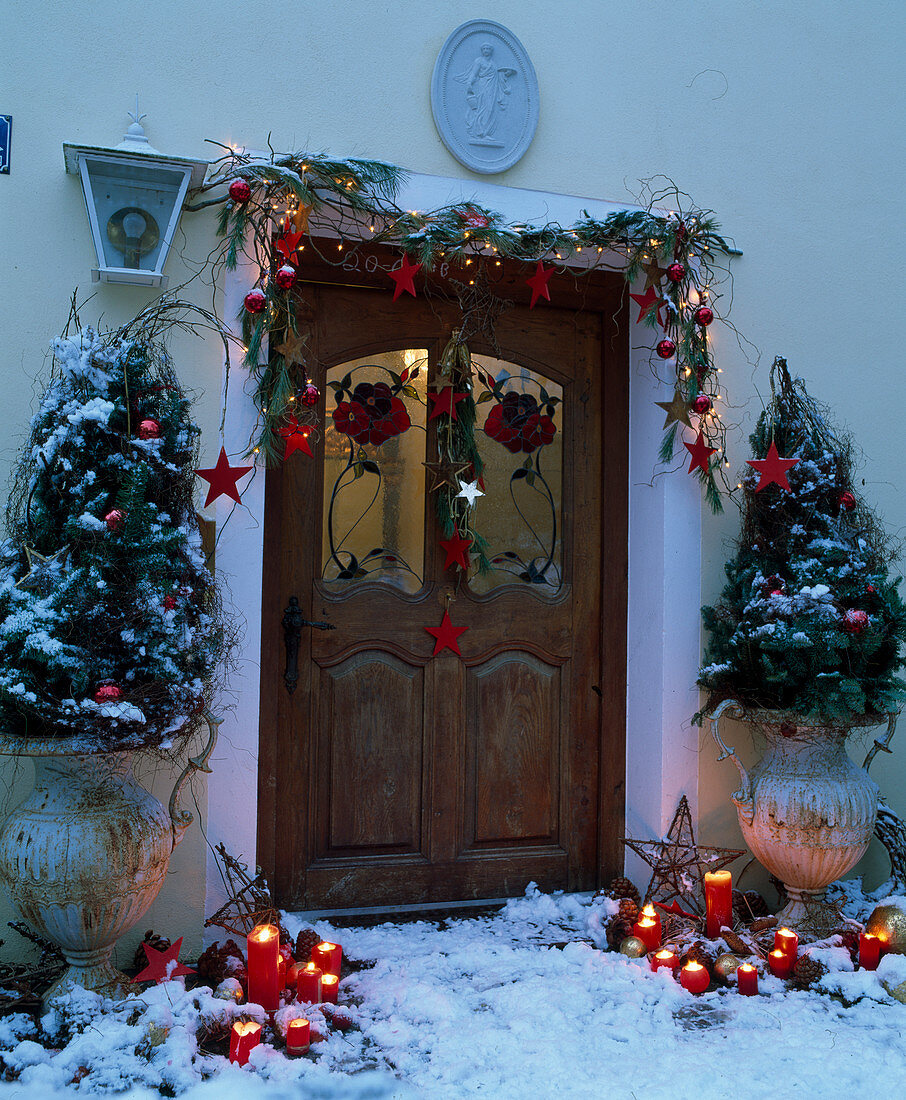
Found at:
[726, 965]
[897, 991]
[888, 923]
[633, 947]
[229, 989]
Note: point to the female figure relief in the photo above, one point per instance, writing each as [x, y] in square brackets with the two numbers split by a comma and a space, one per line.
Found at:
[486, 91]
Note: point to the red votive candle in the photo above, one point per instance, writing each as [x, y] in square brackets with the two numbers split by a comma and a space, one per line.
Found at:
[695, 977]
[263, 966]
[245, 1035]
[780, 963]
[308, 984]
[747, 979]
[648, 930]
[787, 941]
[869, 951]
[664, 958]
[298, 1037]
[329, 986]
[718, 902]
[328, 956]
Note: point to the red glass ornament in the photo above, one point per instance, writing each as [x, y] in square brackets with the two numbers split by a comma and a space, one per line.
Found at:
[676, 273]
[666, 349]
[169, 603]
[702, 403]
[255, 300]
[703, 316]
[309, 395]
[855, 621]
[149, 429]
[286, 276]
[114, 519]
[108, 693]
[847, 501]
[240, 191]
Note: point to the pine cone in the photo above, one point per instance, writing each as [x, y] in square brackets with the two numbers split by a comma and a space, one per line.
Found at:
[697, 953]
[159, 943]
[219, 961]
[749, 906]
[621, 887]
[305, 941]
[629, 910]
[618, 928]
[806, 971]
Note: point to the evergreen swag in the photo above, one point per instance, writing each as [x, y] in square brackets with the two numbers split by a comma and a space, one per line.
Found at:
[102, 578]
[809, 621]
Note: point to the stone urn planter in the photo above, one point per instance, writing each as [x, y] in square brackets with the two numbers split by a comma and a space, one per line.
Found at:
[806, 810]
[86, 852]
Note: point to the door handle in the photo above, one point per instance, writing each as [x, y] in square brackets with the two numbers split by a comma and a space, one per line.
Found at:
[292, 622]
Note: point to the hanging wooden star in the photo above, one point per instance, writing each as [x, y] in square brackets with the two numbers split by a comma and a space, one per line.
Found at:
[470, 491]
[292, 347]
[457, 550]
[162, 966]
[677, 410]
[222, 478]
[445, 402]
[445, 473]
[288, 246]
[654, 273]
[300, 218]
[539, 283]
[649, 302]
[446, 635]
[772, 468]
[403, 276]
[700, 452]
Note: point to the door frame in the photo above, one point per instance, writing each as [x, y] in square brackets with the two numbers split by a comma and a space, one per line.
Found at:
[662, 638]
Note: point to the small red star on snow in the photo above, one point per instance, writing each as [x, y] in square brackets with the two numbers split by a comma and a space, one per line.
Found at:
[222, 478]
[296, 438]
[648, 302]
[700, 452]
[772, 468]
[457, 551]
[162, 965]
[287, 246]
[538, 282]
[446, 635]
[445, 401]
[403, 276]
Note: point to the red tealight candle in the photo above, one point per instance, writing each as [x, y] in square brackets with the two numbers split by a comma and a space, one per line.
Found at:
[664, 958]
[329, 985]
[747, 979]
[246, 1035]
[298, 1037]
[263, 966]
[695, 977]
[648, 930]
[308, 984]
[328, 956]
[780, 963]
[718, 902]
[787, 941]
[869, 951]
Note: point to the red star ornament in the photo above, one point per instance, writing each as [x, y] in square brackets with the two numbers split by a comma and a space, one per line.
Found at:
[222, 478]
[296, 438]
[538, 283]
[648, 302]
[700, 452]
[162, 965]
[446, 635]
[287, 246]
[404, 276]
[445, 401]
[457, 552]
[772, 468]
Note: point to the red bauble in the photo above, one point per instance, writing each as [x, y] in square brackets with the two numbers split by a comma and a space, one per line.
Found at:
[149, 429]
[310, 395]
[114, 519]
[702, 403]
[854, 621]
[108, 693]
[285, 277]
[703, 316]
[240, 191]
[847, 502]
[676, 273]
[169, 603]
[774, 586]
[666, 349]
[255, 300]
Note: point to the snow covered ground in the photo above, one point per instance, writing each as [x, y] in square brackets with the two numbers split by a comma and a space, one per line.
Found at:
[488, 1008]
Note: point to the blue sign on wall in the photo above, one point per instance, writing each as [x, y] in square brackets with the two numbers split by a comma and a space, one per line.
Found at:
[6, 126]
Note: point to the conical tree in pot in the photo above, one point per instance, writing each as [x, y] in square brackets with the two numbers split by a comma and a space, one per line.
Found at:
[805, 640]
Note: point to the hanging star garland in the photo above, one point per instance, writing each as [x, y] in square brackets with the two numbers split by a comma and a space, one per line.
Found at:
[446, 635]
[445, 473]
[539, 283]
[654, 273]
[288, 246]
[292, 347]
[773, 469]
[700, 452]
[296, 437]
[444, 402]
[300, 218]
[677, 410]
[222, 478]
[162, 966]
[649, 302]
[404, 277]
[469, 492]
[457, 550]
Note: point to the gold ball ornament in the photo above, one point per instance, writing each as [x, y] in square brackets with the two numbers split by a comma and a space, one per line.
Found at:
[230, 989]
[633, 948]
[726, 965]
[888, 923]
[897, 991]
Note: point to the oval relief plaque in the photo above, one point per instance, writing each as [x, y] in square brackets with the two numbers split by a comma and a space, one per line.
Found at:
[484, 95]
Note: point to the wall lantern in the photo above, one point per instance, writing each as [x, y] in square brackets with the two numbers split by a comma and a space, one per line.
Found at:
[134, 195]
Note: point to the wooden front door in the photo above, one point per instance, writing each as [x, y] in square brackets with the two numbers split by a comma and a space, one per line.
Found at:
[394, 776]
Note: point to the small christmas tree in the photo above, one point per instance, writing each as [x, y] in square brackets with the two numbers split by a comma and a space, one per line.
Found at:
[809, 621]
[109, 622]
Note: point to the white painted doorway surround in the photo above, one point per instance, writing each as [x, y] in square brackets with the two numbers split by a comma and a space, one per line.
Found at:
[664, 579]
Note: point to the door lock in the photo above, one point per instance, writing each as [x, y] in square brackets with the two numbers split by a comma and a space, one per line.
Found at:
[293, 621]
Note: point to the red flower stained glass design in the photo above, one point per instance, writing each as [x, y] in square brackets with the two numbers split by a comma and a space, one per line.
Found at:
[519, 424]
[372, 414]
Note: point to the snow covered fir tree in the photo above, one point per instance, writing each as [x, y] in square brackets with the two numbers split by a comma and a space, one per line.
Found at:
[810, 621]
[109, 622]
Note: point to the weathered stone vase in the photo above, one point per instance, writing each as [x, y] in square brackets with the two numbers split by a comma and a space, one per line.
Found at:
[806, 810]
[85, 854]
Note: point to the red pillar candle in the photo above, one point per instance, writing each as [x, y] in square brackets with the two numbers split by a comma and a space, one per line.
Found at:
[281, 972]
[781, 963]
[649, 913]
[718, 902]
[694, 977]
[787, 941]
[664, 958]
[329, 985]
[263, 966]
[298, 1037]
[308, 984]
[328, 956]
[869, 951]
[747, 979]
[245, 1035]
[648, 930]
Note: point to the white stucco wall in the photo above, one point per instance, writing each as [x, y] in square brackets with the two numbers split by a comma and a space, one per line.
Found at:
[781, 118]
